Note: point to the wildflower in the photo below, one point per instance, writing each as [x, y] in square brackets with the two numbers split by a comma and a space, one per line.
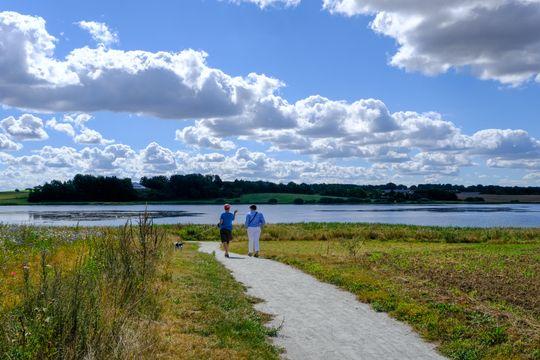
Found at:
[13, 273]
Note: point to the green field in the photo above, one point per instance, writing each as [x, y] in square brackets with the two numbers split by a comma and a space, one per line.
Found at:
[21, 198]
[13, 197]
[474, 292]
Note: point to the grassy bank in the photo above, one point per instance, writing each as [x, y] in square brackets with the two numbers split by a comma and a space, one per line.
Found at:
[474, 292]
[119, 293]
[14, 198]
[21, 198]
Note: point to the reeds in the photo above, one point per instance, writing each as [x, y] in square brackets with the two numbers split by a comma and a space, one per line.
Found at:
[90, 306]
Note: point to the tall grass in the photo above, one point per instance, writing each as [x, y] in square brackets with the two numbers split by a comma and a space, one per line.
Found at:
[94, 305]
[365, 232]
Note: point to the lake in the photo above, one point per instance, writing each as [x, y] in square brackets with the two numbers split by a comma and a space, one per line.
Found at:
[507, 215]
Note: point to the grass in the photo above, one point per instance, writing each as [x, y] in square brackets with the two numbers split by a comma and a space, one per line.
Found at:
[86, 299]
[21, 198]
[207, 315]
[474, 292]
[14, 198]
[120, 293]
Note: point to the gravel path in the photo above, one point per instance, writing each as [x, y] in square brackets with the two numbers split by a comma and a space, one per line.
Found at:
[320, 321]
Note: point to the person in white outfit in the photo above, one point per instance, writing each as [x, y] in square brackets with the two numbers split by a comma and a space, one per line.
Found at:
[254, 223]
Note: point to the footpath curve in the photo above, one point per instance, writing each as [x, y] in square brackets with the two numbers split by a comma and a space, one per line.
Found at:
[319, 320]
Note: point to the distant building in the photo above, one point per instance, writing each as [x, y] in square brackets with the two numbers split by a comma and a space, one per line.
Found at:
[139, 187]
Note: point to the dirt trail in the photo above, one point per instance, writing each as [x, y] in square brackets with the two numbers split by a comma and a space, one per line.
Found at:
[319, 320]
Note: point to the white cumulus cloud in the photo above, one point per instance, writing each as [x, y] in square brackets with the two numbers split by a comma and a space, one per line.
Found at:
[496, 39]
[25, 127]
[100, 32]
[7, 144]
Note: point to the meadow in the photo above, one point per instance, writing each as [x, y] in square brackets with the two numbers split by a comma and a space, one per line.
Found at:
[474, 292]
[117, 293]
[14, 198]
[120, 293]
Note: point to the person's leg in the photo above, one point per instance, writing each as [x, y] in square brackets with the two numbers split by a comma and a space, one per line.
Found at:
[250, 240]
[256, 237]
[224, 241]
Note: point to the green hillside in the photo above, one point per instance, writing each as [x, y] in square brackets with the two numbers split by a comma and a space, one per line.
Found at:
[13, 197]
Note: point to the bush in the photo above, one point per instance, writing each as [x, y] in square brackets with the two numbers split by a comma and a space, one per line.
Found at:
[273, 201]
[298, 201]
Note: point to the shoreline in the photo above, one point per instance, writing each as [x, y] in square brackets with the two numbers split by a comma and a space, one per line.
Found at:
[186, 202]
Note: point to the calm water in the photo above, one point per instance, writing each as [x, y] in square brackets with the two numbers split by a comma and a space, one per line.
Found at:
[515, 215]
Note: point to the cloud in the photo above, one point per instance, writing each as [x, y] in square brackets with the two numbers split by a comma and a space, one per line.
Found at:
[407, 143]
[268, 3]
[163, 84]
[200, 137]
[156, 158]
[111, 157]
[74, 125]
[121, 160]
[89, 136]
[336, 129]
[496, 39]
[6, 144]
[100, 32]
[78, 119]
[506, 143]
[26, 127]
[228, 109]
[61, 127]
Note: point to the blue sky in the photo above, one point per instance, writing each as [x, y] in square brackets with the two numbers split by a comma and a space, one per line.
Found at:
[482, 116]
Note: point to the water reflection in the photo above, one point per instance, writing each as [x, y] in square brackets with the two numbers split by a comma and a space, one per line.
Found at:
[93, 215]
[446, 209]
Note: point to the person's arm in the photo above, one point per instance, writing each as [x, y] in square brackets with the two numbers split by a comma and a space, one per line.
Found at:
[262, 220]
[246, 223]
[221, 220]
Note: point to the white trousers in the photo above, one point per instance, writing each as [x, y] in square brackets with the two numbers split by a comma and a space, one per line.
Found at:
[254, 233]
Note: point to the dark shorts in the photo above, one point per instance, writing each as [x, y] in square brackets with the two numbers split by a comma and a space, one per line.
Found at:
[226, 235]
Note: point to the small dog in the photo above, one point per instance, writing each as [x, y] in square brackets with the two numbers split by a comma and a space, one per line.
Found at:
[178, 245]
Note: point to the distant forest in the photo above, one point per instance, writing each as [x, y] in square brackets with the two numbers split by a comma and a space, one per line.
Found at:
[85, 188]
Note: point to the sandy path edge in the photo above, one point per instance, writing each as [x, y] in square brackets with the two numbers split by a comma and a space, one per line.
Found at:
[319, 320]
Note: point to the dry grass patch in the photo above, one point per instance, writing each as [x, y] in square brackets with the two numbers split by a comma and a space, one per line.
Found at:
[206, 314]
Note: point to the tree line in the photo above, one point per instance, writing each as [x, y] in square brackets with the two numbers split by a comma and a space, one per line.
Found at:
[84, 188]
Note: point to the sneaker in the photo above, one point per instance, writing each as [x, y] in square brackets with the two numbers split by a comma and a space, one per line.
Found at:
[256, 254]
[250, 254]
[226, 255]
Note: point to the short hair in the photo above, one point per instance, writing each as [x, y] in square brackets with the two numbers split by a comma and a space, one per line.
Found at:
[253, 207]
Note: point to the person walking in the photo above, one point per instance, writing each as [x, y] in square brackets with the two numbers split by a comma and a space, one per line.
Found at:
[254, 223]
[225, 227]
